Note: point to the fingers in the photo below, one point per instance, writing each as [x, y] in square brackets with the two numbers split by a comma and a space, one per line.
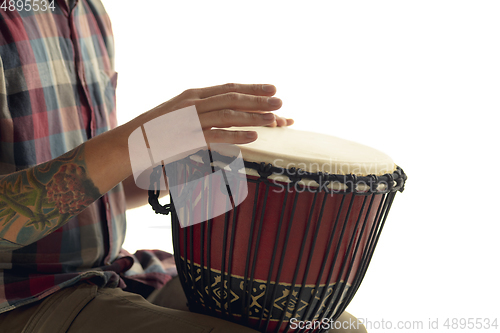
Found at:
[248, 89]
[238, 101]
[225, 136]
[227, 118]
[284, 121]
[281, 122]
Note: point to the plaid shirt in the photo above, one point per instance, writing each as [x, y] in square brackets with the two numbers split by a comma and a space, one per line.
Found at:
[57, 89]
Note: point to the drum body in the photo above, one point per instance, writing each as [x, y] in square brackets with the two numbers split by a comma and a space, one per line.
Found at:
[296, 249]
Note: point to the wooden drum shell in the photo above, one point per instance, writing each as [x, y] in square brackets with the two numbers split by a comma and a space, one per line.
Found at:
[280, 254]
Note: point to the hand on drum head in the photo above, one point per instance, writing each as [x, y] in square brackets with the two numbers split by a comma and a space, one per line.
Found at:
[227, 106]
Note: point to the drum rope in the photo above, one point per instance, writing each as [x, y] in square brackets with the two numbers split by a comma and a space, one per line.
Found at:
[154, 192]
[393, 181]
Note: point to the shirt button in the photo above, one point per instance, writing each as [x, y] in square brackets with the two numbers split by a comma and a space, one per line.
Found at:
[107, 205]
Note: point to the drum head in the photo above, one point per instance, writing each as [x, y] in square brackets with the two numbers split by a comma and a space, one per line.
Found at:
[314, 152]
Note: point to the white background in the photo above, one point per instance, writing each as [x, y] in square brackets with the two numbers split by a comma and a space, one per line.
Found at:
[419, 80]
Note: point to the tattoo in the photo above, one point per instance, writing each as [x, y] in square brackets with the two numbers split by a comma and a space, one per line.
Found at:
[38, 200]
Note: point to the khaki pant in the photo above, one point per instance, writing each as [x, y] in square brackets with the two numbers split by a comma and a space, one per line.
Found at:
[87, 309]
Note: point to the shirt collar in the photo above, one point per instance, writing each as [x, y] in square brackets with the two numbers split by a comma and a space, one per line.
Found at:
[67, 5]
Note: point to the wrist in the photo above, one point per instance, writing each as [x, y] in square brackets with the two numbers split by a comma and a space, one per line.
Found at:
[107, 157]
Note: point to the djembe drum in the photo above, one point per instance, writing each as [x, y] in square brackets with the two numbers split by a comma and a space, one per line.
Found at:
[298, 246]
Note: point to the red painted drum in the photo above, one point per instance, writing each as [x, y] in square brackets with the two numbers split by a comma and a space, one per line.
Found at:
[298, 246]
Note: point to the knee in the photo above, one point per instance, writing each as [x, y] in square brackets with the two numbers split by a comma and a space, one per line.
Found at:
[347, 323]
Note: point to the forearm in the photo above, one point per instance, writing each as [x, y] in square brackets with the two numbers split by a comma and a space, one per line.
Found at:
[38, 200]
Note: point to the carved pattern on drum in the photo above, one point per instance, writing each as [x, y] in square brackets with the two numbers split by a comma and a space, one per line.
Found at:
[236, 302]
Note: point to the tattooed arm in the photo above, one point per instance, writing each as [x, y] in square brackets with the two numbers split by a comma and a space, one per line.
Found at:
[38, 200]
[44, 197]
